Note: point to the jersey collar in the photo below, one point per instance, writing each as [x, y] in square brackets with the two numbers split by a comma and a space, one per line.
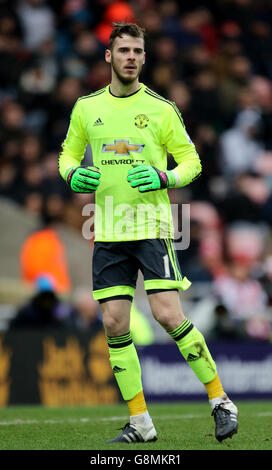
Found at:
[128, 97]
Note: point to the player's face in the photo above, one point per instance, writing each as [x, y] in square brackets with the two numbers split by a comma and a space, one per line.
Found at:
[127, 58]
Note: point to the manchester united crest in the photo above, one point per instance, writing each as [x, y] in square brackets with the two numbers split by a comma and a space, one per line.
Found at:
[141, 121]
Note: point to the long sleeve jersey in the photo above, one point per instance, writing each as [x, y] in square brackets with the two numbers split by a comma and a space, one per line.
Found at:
[140, 128]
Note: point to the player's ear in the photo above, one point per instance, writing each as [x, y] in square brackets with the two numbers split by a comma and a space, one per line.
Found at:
[108, 56]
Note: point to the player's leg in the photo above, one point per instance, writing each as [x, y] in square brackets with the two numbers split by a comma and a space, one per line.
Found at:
[127, 370]
[114, 282]
[122, 353]
[160, 276]
[166, 309]
[193, 348]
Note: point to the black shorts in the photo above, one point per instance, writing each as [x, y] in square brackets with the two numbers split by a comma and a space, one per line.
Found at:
[116, 265]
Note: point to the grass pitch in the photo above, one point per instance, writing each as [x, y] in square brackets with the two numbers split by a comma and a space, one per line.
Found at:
[180, 426]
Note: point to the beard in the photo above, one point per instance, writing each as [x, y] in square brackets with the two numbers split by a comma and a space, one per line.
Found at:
[121, 78]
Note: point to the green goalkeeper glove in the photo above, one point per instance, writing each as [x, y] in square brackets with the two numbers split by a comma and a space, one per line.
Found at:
[148, 178]
[84, 179]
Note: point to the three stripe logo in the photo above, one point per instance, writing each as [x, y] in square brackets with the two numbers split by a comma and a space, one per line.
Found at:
[130, 437]
[98, 122]
[192, 357]
[117, 369]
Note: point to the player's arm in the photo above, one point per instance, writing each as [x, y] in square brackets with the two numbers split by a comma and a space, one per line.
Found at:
[80, 179]
[179, 144]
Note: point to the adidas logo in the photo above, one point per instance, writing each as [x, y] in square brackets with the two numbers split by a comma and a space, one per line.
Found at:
[117, 369]
[98, 122]
[192, 357]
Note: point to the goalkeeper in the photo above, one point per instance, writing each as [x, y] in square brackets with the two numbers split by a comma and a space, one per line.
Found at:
[131, 129]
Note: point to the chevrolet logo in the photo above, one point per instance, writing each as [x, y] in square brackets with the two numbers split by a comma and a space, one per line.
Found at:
[122, 147]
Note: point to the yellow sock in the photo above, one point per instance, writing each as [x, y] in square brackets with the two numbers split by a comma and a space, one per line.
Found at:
[214, 388]
[137, 405]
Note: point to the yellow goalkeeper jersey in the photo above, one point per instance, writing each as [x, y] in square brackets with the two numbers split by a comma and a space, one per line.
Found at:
[140, 128]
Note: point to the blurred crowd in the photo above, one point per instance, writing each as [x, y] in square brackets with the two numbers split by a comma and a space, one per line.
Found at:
[214, 59]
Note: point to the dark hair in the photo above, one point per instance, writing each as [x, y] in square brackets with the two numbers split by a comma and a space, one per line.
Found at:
[131, 29]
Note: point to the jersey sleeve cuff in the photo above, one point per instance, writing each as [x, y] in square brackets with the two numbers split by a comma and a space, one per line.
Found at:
[172, 178]
[67, 173]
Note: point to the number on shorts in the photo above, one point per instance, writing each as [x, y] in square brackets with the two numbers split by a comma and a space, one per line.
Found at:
[166, 266]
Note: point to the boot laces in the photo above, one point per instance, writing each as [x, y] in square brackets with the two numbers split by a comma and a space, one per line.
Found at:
[221, 413]
[124, 427]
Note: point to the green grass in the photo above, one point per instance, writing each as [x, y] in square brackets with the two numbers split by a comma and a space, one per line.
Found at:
[180, 426]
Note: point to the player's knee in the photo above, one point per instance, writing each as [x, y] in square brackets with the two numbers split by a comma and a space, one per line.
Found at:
[111, 325]
[116, 322]
[166, 317]
[167, 310]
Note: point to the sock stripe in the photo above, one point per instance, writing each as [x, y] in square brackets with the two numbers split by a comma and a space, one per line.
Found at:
[184, 333]
[119, 341]
[182, 330]
[120, 345]
[190, 327]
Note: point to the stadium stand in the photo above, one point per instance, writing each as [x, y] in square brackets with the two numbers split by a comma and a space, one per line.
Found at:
[214, 60]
